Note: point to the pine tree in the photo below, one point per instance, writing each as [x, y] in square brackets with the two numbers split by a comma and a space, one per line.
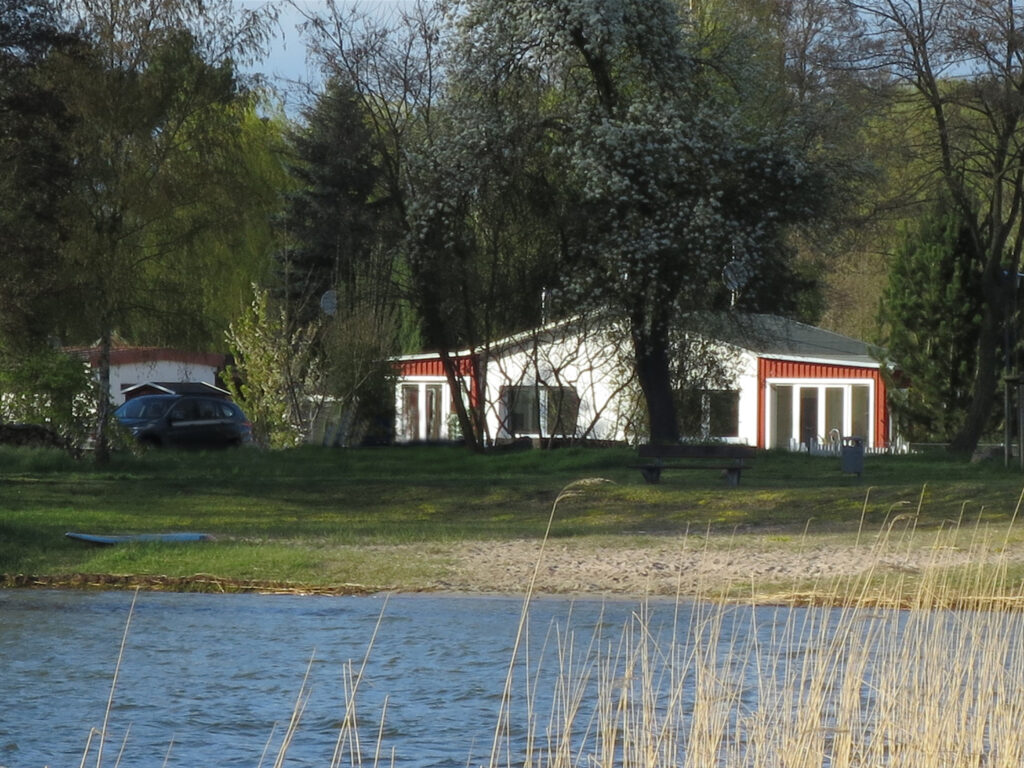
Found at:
[329, 220]
[932, 316]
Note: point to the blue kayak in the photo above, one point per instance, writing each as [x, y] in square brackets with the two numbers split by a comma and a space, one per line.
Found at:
[174, 538]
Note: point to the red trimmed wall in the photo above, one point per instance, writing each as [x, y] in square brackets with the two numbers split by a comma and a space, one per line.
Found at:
[768, 368]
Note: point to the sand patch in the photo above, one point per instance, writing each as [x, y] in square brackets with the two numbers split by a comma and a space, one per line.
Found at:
[686, 565]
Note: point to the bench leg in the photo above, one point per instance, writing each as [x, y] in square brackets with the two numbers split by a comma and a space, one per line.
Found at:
[732, 476]
[651, 474]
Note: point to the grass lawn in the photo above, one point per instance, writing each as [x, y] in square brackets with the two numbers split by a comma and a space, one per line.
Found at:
[324, 517]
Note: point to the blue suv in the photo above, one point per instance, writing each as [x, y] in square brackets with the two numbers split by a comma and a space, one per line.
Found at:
[185, 421]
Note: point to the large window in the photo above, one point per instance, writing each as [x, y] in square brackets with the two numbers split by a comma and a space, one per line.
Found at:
[860, 411]
[723, 409]
[527, 409]
[782, 408]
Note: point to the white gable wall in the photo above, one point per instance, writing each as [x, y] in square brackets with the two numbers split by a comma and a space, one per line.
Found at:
[745, 380]
[125, 375]
[588, 363]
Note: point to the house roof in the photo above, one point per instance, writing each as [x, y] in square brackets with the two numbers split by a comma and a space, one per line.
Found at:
[546, 331]
[764, 335]
[780, 337]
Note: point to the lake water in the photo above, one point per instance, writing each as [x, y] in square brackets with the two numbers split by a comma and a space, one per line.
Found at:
[212, 680]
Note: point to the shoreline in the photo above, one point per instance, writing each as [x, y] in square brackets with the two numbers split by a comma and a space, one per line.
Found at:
[765, 566]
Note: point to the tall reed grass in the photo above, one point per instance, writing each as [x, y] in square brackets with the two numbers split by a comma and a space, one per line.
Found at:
[893, 671]
[914, 671]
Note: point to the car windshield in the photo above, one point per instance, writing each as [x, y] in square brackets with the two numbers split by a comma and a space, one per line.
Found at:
[144, 408]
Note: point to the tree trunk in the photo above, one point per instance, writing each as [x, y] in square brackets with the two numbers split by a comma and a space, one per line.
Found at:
[986, 374]
[471, 432]
[101, 453]
[650, 347]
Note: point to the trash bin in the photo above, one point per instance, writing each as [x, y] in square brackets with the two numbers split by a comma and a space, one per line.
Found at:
[851, 456]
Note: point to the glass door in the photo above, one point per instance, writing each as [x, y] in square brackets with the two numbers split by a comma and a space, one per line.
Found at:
[410, 412]
[782, 417]
[835, 409]
[808, 416]
[434, 411]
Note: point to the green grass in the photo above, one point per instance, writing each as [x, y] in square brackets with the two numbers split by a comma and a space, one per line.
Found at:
[318, 516]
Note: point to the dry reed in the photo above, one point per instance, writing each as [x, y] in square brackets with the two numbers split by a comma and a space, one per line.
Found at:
[923, 673]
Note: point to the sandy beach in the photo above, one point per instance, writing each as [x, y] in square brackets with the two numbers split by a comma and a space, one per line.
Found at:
[659, 565]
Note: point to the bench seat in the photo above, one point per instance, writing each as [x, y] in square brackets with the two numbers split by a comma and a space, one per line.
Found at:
[728, 458]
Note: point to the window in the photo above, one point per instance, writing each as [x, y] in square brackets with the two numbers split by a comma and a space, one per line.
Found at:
[709, 413]
[723, 409]
[782, 400]
[526, 408]
[522, 410]
[834, 408]
[861, 411]
[231, 411]
[809, 432]
[184, 410]
[563, 410]
[208, 410]
[410, 412]
[433, 393]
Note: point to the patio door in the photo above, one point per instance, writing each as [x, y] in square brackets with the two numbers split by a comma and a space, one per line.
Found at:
[803, 416]
[424, 412]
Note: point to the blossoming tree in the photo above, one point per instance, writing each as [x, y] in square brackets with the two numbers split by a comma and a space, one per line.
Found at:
[664, 175]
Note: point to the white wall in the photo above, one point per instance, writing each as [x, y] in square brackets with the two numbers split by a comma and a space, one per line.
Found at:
[589, 361]
[745, 374]
[128, 374]
[599, 370]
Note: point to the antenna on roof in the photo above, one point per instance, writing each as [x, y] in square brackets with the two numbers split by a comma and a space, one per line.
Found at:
[736, 275]
[329, 303]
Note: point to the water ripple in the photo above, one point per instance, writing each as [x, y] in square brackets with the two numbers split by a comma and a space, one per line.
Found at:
[219, 675]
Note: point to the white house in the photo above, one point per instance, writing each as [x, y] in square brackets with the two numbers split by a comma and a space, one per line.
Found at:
[762, 380]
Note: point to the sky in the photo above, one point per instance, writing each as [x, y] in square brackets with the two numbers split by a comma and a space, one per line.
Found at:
[287, 62]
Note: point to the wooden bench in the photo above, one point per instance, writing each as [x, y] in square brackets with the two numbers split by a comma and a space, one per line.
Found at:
[728, 458]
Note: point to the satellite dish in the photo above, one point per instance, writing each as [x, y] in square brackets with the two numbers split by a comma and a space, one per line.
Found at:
[736, 275]
[329, 303]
